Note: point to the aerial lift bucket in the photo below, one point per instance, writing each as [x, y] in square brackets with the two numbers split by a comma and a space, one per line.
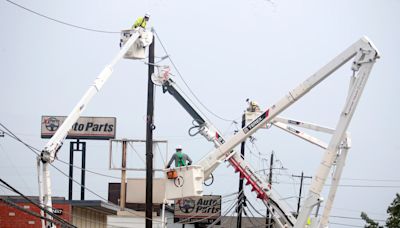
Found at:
[138, 49]
[185, 181]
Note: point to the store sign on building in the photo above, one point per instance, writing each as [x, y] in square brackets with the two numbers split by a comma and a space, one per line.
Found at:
[198, 210]
[58, 211]
[99, 128]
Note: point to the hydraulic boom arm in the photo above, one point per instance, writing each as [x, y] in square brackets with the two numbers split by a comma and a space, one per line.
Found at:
[50, 150]
[365, 55]
[56, 141]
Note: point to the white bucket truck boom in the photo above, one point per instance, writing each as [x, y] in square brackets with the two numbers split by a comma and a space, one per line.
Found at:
[188, 183]
[134, 43]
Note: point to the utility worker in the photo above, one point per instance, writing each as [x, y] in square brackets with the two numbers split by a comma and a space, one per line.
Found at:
[253, 107]
[180, 158]
[141, 21]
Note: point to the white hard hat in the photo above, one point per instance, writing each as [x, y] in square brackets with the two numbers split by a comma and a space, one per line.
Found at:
[147, 15]
[179, 147]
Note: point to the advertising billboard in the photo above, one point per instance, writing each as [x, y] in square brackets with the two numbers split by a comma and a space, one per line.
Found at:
[205, 209]
[99, 128]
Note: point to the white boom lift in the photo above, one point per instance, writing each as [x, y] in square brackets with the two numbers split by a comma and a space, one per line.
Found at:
[134, 43]
[364, 55]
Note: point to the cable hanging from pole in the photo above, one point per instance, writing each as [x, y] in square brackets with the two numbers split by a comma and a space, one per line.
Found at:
[66, 175]
[37, 205]
[59, 21]
[186, 84]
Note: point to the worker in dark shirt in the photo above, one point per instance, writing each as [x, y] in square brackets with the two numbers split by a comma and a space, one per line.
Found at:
[180, 158]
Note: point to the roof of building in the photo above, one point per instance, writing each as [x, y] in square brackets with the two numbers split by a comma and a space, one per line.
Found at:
[96, 205]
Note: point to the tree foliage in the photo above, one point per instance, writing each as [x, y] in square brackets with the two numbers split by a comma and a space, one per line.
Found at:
[393, 221]
[394, 213]
[370, 222]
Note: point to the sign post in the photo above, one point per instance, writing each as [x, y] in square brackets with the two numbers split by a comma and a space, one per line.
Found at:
[93, 128]
[80, 147]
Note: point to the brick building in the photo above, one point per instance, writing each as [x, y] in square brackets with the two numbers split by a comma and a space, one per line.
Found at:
[11, 217]
[80, 213]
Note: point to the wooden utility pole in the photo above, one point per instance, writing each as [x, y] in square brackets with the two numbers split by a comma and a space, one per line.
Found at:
[271, 165]
[241, 196]
[301, 187]
[149, 140]
[122, 196]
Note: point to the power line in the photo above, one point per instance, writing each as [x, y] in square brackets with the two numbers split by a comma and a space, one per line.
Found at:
[37, 151]
[352, 185]
[15, 168]
[183, 80]
[87, 170]
[37, 205]
[343, 224]
[16, 206]
[357, 179]
[377, 180]
[353, 218]
[88, 189]
[59, 21]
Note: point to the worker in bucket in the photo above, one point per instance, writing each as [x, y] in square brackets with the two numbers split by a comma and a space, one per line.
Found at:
[180, 158]
[141, 21]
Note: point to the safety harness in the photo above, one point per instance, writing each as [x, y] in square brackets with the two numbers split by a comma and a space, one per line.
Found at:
[181, 161]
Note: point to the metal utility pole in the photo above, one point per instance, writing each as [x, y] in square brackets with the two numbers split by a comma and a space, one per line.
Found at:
[301, 187]
[271, 165]
[241, 196]
[83, 171]
[122, 196]
[76, 147]
[149, 140]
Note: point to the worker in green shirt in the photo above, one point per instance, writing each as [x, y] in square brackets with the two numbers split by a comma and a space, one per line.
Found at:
[180, 158]
[141, 21]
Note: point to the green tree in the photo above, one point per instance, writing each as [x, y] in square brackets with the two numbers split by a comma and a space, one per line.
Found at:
[394, 213]
[370, 222]
[393, 221]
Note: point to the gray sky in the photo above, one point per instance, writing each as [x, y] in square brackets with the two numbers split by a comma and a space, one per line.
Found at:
[227, 51]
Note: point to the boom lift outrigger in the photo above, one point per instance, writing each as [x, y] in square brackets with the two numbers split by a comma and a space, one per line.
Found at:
[364, 55]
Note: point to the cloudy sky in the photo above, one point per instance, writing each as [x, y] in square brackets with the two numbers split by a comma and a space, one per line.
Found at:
[226, 51]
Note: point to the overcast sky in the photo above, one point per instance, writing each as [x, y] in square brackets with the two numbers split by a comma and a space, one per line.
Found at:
[226, 51]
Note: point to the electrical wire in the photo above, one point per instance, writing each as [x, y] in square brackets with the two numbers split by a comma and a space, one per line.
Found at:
[183, 80]
[15, 168]
[191, 101]
[358, 179]
[352, 218]
[59, 219]
[66, 213]
[137, 153]
[192, 214]
[66, 175]
[251, 205]
[217, 220]
[33, 149]
[343, 224]
[59, 21]
[86, 170]
[352, 185]
[16, 206]
[37, 152]
[250, 220]
[94, 193]
[91, 221]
